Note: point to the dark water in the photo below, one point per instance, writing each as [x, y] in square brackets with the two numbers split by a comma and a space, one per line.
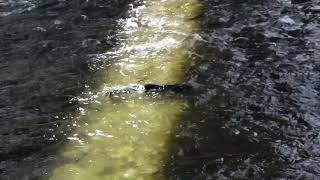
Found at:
[43, 65]
[255, 115]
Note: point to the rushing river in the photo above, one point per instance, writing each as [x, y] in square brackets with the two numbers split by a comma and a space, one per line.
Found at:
[125, 135]
[251, 110]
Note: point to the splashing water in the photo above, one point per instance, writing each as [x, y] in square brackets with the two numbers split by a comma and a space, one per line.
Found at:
[126, 136]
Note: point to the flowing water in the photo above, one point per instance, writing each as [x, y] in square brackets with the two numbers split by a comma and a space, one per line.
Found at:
[252, 111]
[125, 136]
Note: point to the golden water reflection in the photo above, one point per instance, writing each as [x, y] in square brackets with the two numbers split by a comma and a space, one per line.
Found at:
[126, 136]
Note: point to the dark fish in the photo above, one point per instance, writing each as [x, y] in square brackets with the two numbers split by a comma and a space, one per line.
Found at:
[175, 88]
[152, 88]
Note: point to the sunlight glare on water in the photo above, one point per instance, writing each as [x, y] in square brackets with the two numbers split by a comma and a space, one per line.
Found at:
[126, 137]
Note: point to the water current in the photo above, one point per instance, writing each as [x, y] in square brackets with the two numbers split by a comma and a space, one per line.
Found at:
[125, 136]
[252, 111]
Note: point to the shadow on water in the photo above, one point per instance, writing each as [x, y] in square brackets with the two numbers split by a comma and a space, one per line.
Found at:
[44, 62]
[255, 115]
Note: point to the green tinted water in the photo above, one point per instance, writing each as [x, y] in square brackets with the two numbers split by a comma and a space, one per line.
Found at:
[127, 136]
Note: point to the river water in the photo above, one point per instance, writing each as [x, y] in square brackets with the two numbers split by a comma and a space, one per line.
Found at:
[252, 113]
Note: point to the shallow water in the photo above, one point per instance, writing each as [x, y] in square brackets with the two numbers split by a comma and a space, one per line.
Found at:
[126, 136]
[253, 112]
